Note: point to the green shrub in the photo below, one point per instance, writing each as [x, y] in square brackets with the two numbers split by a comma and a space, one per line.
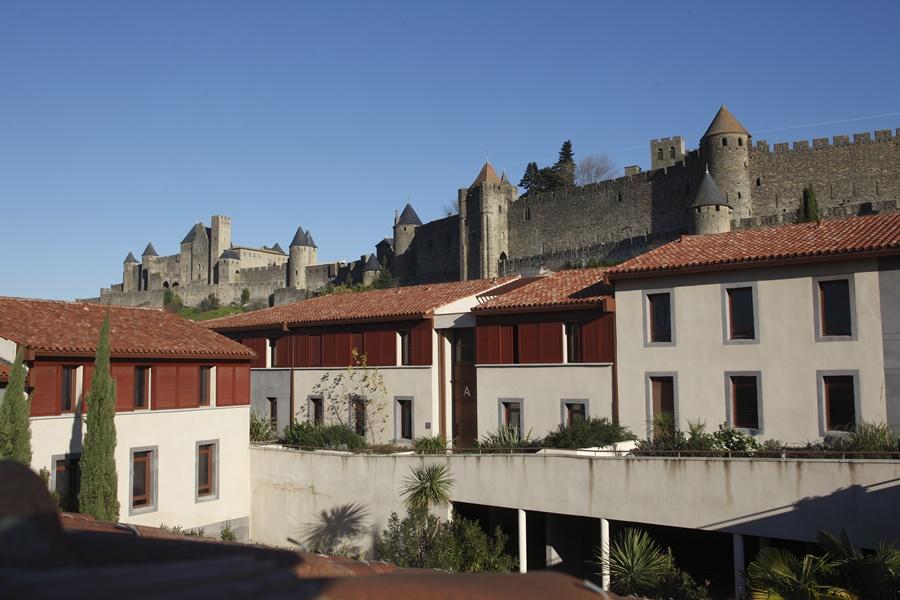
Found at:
[587, 433]
[388, 448]
[227, 533]
[310, 435]
[245, 296]
[873, 437]
[430, 445]
[261, 428]
[172, 301]
[195, 532]
[506, 438]
[734, 440]
[211, 302]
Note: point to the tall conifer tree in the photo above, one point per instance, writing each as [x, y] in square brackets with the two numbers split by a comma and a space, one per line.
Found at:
[15, 424]
[99, 495]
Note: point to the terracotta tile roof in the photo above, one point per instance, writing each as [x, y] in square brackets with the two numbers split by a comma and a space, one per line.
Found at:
[74, 327]
[486, 175]
[403, 302]
[837, 239]
[724, 122]
[570, 287]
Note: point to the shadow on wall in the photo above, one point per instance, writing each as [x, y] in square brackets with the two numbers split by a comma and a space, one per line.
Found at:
[336, 530]
[856, 509]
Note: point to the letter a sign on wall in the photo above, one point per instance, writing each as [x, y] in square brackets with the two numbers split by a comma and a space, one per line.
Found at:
[466, 392]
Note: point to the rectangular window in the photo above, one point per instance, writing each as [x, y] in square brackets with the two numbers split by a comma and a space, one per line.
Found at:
[67, 389]
[663, 395]
[141, 386]
[745, 401]
[660, 316]
[273, 411]
[834, 307]
[67, 482]
[405, 347]
[573, 342]
[575, 411]
[206, 470]
[404, 416]
[741, 325]
[316, 410]
[142, 479]
[204, 385]
[840, 402]
[358, 415]
[511, 414]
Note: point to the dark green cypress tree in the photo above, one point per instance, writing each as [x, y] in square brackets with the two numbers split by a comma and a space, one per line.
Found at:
[99, 494]
[15, 412]
[810, 204]
[530, 178]
[565, 166]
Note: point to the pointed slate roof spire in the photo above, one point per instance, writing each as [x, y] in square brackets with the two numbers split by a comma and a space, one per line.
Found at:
[708, 193]
[372, 264]
[724, 122]
[277, 248]
[309, 241]
[504, 179]
[299, 238]
[230, 255]
[149, 250]
[130, 258]
[486, 175]
[409, 216]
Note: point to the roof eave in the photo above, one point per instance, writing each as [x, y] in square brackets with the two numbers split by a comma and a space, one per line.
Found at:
[270, 326]
[607, 303]
[51, 353]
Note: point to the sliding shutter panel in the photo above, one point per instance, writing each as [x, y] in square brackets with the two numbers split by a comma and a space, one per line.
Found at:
[165, 387]
[45, 397]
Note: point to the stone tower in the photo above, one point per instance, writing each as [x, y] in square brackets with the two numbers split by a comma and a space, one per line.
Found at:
[147, 257]
[130, 273]
[194, 259]
[219, 240]
[483, 226]
[303, 253]
[710, 211]
[665, 152]
[725, 148]
[228, 267]
[404, 232]
[370, 269]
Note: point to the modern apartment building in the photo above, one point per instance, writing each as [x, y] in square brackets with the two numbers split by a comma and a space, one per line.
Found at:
[788, 332]
[182, 396]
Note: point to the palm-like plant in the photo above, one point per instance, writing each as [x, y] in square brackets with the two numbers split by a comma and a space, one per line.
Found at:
[637, 563]
[777, 574]
[874, 576]
[427, 486]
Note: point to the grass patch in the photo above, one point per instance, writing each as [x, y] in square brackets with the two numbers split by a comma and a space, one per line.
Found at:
[195, 314]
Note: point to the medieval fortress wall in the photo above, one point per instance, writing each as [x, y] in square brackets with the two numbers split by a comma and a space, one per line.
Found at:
[498, 232]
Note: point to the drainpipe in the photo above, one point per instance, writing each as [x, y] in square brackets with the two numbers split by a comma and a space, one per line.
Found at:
[604, 553]
[523, 543]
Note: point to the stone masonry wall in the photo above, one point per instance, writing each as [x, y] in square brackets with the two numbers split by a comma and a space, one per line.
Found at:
[435, 248]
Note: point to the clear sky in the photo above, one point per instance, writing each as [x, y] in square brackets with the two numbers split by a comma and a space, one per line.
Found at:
[124, 122]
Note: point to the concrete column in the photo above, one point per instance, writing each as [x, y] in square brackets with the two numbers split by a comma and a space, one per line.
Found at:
[523, 543]
[604, 553]
[738, 553]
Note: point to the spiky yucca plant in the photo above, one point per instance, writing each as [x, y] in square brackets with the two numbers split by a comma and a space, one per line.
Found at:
[427, 486]
[777, 574]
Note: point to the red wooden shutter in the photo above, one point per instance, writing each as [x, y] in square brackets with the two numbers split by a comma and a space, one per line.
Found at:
[284, 356]
[300, 349]
[188, 386]
[529, 342]
[241, 385]
[45, 397]
[506, 343]
[388, 347]
[357, 342]
[224, 385]
[372, 344]
[550, 343]
[315, 350]
[164, 387]
[87, 375]
[597, 338]
[421, 344]
[482, 335]
[329, 358]
[258, 345]
[124, 378]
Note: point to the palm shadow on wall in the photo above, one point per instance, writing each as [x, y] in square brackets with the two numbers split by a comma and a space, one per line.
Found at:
[336, 529]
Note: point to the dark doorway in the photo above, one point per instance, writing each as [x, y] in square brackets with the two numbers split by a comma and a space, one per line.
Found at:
[462, 382]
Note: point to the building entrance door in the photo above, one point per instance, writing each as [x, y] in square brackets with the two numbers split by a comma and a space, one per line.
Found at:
[463, 384]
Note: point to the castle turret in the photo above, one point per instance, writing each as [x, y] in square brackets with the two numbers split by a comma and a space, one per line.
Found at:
[725, 148]
[404, 232]
[710, 210]
[147, 257]
[194, 256]
[484, 231]
[303, 253]
[370, 269]
[219, 239]
[130, 273]
[228, 267]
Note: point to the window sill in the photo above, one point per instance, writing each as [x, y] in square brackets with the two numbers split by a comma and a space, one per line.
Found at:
[741, 342]
[141, 510]
[835, 338]
[206, 498]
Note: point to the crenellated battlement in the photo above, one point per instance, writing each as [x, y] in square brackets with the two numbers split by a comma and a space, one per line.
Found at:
[881, 135]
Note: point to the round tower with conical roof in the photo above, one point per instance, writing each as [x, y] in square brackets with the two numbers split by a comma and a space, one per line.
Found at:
[725, 148]
[405, 225]
[303, 253]
[710, 210]
[130, 273]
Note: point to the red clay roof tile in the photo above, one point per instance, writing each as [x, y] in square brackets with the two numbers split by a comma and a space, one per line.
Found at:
[570, 287]
[74, 327]
[835, 240]
[403, 302]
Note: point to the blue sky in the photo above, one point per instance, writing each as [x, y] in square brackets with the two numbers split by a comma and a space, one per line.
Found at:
[124, 122]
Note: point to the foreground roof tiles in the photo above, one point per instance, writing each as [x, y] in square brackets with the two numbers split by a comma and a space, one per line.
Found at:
[570, 287]
[403, 302]
[841, 238]
[74, 327]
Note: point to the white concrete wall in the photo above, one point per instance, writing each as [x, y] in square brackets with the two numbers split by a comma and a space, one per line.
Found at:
[785, 499]
[542, 389]
[408, 381]
[175, 434]
[787, 355]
